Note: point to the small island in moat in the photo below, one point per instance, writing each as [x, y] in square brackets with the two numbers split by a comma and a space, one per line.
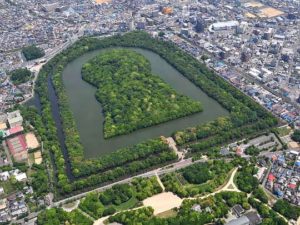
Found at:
[131, 96]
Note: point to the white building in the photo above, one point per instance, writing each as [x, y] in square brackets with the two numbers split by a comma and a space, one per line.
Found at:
[224, 25]
[14, 118]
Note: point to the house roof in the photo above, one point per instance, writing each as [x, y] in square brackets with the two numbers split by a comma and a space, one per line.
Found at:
[271, 177]
[253, 217]
[14, 117]
[3, 126]
[238, 209]
[240, 221]
[292, 186]
[21, 176]
[16, 130]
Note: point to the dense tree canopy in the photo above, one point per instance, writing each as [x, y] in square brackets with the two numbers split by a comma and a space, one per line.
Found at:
[252, 150]
[131, 96]
[197, 173]
[197, 179]
[116, 195]
[57, 216]
[296, 136]
[260, 194]
[270, 217]
[32, 52]
[245, 179]
[286, 209]
[122, 196]
[20, 76]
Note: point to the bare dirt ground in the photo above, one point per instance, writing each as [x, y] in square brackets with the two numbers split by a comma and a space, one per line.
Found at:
[270, 12]
[163, 202]
[31, 141]
[102, 1]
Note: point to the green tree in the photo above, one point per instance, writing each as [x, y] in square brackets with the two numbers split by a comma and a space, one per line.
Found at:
[296, 135]
[20, 76]
[32, 52]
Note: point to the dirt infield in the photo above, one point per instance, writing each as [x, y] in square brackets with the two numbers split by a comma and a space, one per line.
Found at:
[102, 1]
[31, 141]
[250, 15]
[270, 12]
[38, 157]
[163, 202]
[254, 4]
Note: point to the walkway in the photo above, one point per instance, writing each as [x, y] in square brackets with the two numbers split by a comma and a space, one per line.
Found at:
[172, 145]
[85, 214]
[160, 183]
[230, 186]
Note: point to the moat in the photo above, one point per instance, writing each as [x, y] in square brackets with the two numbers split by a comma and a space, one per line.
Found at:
[88, 115]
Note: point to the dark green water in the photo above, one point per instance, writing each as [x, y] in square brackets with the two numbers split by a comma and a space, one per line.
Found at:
[88, 115]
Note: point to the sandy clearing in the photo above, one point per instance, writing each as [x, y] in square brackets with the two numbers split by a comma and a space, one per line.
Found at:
[102, 1]
[250, 15]
[3, 126]
[38, 157]
[254, 4]
[163, 202]
[270, 12]
[31, 141]
[100, 221]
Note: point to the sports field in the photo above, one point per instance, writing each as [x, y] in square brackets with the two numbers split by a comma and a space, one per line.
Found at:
[270, 12]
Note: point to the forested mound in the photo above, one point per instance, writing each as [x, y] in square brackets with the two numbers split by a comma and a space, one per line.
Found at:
[131, 96]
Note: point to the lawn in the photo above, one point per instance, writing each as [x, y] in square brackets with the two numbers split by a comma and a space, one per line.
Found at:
[167, 214]
[283, 131]
[131, 203]
[8, 187]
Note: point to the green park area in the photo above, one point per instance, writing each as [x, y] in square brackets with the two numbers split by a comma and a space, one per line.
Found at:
[32, 52]
[20, 76]
[209, 210]
[246, 118]
[120, 197]
[198, 179]
[57, 216]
